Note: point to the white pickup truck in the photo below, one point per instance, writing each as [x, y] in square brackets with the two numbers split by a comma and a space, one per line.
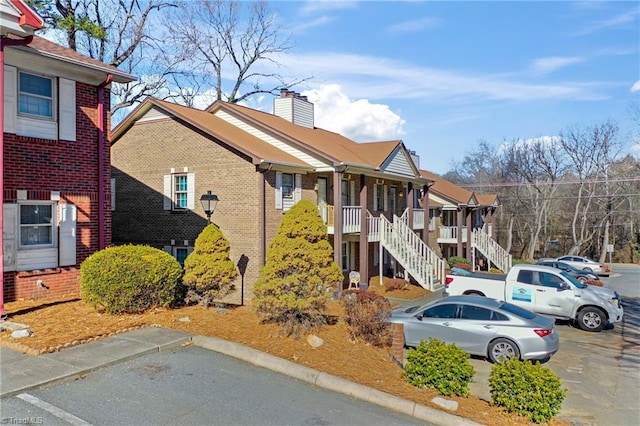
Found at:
[548, 291]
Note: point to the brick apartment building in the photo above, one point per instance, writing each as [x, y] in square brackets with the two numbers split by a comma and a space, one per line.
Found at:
[55, 173]
[165, 157]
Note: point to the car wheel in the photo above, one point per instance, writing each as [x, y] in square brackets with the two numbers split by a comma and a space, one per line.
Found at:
[587, 269]
[473, 293]
[592, 319]
[581, 279]
[503, 348]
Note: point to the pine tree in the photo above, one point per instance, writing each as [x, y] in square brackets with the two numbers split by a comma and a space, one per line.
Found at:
[299, 273]
[209, 272]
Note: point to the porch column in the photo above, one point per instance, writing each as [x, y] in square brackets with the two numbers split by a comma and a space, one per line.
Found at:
[459, 222]
[364, 232]
[410, 205]
[489, 219]
[424, 202]
[337, 220]
[469, 230]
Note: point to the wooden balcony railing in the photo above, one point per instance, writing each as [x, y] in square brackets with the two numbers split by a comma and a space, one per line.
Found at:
[450, 234]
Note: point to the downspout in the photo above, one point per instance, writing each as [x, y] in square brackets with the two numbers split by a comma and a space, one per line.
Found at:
[101, 130]
[4, 42]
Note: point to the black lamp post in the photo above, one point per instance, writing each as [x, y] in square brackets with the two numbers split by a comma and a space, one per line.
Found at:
[209, 202]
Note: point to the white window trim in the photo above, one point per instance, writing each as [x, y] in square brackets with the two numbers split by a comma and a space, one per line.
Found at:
[169, 195]
[280, 203]
[54, 230]
[53, 98]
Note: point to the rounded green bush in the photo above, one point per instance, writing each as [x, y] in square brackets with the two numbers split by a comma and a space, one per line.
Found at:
[129, 279]
[445, 368]
[528, 389]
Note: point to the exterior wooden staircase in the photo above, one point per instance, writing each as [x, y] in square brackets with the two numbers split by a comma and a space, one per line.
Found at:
[418, 259]
[491, 250]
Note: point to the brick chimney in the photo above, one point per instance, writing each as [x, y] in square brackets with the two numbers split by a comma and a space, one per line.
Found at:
[294, 108]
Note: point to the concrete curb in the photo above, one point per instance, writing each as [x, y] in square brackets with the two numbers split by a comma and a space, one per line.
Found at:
[330, 382]
[72, 363]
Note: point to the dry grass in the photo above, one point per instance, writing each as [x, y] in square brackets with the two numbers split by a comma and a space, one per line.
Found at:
[57, 324]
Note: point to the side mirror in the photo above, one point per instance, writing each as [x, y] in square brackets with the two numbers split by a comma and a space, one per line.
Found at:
[564, 286]
[419, 317]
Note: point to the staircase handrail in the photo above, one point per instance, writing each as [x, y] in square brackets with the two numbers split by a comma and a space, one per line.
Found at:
[423, 250]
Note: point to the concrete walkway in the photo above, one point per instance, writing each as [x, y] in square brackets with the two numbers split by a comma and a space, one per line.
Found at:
[20, 373]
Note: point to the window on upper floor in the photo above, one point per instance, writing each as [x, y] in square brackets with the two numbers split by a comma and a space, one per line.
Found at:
[288, 190]
[287, 185]
[39, 106]
[35, 95]
[179, 189]
[180, 193]
[379, 197]
[393, 199]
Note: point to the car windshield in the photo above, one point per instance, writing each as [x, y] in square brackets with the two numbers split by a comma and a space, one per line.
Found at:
[573, 280]
[569, 267]
[517, 310]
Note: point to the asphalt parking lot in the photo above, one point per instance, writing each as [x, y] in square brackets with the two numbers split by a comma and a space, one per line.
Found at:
[601, 371]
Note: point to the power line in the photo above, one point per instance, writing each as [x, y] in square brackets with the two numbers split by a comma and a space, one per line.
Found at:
[549, 183]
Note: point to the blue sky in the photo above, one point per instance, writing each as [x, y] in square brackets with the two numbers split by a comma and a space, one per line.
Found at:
[443, 75]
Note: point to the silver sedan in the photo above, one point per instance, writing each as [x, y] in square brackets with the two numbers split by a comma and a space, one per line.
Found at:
[480, 326]
[584, 264]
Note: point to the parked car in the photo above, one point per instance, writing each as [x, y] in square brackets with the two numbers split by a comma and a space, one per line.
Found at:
[584, 264]
[480, 326]
[579, 274]
[545, 290]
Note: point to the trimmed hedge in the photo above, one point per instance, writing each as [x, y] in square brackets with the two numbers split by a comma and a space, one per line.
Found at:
[130, 279]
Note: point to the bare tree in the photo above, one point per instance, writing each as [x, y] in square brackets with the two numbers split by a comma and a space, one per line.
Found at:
[230, 55]
[591, 151]
[536, 165]
[119, 33]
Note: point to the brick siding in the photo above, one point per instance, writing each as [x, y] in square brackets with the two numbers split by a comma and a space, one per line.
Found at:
[40, 166]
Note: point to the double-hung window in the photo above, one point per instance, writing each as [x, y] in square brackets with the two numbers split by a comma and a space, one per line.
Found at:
[36, 225]
[35, 95]
[288, 190]
[180, 192]
[287, 185]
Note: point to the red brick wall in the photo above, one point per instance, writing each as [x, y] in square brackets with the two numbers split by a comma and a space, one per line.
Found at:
[40, 166]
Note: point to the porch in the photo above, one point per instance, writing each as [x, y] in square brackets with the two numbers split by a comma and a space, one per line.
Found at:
[449, 234]
[352, 217]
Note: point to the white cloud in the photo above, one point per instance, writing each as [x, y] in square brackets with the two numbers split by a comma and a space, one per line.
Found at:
[317, 22]
[314, 6]
[380, 78]
[553, 63]
[359, 120]
[625, 18]
[635, 87]
[415, 25]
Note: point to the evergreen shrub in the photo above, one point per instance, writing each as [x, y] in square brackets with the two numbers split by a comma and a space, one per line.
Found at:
[436, 365]
[526, 388]
[129, 279]
[209, 273]
[456, 260]
[299, 274]
[367, 316]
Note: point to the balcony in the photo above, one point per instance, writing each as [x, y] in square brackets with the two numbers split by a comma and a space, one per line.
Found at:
[351, 220]
[449, 234]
